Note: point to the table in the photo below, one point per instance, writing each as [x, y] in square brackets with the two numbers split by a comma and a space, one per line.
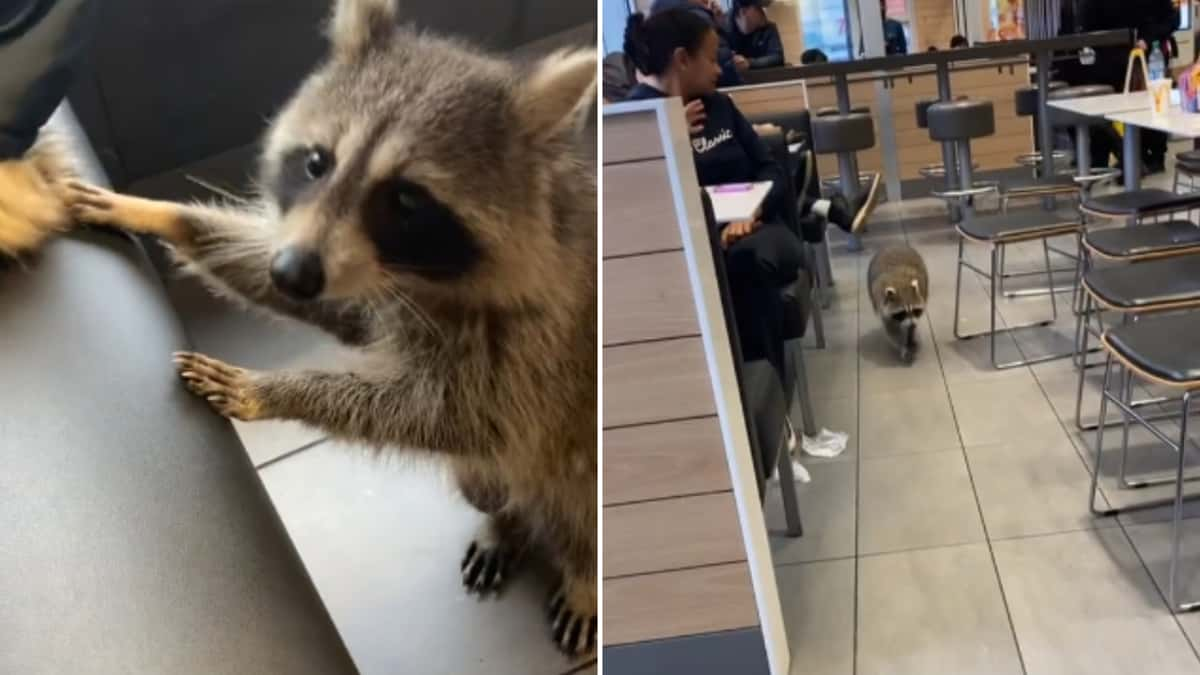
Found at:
[1102, 106]
[1174, 122]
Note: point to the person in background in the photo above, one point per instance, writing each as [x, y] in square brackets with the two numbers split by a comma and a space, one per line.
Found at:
[893, 32]
[752, 36]
[958, 42]
[675, 53]
[617, 77]
[731, 67]
[813, 56]
[1152, 21]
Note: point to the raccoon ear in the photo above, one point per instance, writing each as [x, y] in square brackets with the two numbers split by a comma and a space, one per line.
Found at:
[889, 293]
[559, 86]
[358, 24]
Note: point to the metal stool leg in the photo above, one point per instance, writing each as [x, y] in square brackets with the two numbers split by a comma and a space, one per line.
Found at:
[1100, 444]
[1177, 517]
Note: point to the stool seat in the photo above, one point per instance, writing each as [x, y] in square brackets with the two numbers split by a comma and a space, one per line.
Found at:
[1026, 98]
[831, 110]
[1065, 118]
[961, 120]
[923, 112]
[842, 133]
[1134, 203]
[1028, 186]
[1153, 346]
[1188, 161]
[1018, 225]
[1140, 241]
[1154, 284]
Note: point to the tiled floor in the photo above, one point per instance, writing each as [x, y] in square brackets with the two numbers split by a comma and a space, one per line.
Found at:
[381, 539]
[953, 536]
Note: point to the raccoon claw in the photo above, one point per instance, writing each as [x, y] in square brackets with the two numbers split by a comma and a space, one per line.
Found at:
[574, 631]
[87, 203]
[483, 568]
[227, 389]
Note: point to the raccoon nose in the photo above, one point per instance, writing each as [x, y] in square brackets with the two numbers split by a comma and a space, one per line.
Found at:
[297, 272]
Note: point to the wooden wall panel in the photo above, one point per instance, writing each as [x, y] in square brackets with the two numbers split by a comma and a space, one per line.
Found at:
[786, 15]
[656, 381]
[638, 214]
[648, 297]
[671, 534]
[664, 460]
[631, 137]
[672, 604]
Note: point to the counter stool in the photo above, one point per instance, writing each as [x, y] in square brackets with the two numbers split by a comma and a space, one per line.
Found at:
[1025, 101]
[845, 135]
[998, 231]
[833, 182]
[1082, 126]
[1151, 350]
[1156, 285]
[958, 122]
[922, 111]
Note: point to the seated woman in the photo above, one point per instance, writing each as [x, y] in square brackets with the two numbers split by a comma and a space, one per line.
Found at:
[675, 53]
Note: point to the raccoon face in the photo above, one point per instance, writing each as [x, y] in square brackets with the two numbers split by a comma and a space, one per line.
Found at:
[903, 306]
[412, 163]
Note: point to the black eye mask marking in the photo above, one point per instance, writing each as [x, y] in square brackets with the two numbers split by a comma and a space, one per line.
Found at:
[300, 168]
[415, 232]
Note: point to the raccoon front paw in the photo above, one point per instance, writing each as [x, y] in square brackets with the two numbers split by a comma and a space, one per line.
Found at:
[89, 204]
[228, 389]
[573, 625]
[484, 567]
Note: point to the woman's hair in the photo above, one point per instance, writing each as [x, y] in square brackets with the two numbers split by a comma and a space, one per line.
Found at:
[650, 42]
[958, 41]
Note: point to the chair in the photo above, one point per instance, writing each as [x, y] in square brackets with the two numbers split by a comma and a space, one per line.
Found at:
[764, 391]
[1151, 350]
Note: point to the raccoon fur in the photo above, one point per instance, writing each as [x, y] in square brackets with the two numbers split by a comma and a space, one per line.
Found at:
[899, 286]
[32, 210]
[424, 201]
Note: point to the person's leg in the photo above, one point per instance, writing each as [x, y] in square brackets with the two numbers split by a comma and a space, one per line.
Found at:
[758, 266]
[1154, 144]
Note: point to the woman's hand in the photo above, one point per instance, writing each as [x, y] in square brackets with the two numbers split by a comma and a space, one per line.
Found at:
[738, 230]
[695, 116]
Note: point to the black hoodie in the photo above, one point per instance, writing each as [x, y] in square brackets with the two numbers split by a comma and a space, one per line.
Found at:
[728, 150]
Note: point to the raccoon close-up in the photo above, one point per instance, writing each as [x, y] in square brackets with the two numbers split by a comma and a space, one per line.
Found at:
[898, 283]
[31, 210]
[424, 201]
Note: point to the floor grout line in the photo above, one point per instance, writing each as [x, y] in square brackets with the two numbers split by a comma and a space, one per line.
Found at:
[978, 504]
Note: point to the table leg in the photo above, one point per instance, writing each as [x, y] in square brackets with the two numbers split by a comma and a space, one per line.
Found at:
[1133, 157]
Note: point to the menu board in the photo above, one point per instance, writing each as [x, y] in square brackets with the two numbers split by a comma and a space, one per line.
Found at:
[1006, 20]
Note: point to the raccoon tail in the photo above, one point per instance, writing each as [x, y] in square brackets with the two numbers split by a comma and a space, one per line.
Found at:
[32, 211]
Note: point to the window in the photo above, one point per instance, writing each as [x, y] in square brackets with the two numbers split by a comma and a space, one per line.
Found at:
[616, 14]
[826, 27]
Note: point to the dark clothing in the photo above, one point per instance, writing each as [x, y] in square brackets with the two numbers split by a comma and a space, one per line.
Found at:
[41, 41]
[893, 37]
[728, 150]
[762, 48]
[730, 77]
[758, 266]
[619, 76]
[1152, 21]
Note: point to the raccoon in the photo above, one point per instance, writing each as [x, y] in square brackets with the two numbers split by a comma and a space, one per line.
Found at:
[899, 286]
[425, 202]
[31, 209]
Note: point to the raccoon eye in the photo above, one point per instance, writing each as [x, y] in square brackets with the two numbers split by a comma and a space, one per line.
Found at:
[917, 312]
[316, 164]
[899, 316]
[405, 199]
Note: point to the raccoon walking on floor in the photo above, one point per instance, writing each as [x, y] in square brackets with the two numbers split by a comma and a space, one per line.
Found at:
[425, 202]
[899, 286]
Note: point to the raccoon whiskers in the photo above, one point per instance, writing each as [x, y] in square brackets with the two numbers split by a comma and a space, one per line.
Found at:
[390, 290]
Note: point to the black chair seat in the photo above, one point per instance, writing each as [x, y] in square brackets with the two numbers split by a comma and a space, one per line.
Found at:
[1147, 285]
[1188, 161]
[1144, 240]
[1031, 185]
[1140, 202]
[1154, 347]
[1017, 225]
